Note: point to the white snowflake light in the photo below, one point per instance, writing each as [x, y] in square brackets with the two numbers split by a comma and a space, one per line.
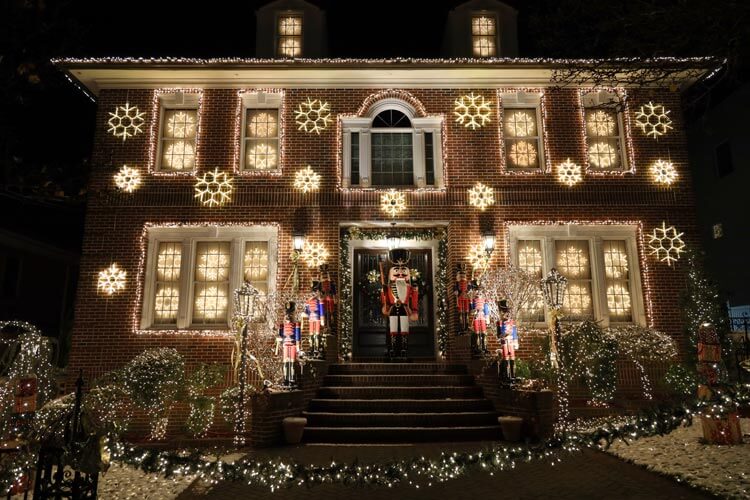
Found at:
[166, 303]
[666, 243]
[314, 254]
[618, 300]
[653, 119]
[478, 257]
[393, 202]
[126, 121]
[306, 180]
[602, 155]
[577, 300]
[569, 173]
[523, 154]
[529, 258]
[214, 188]
[600, 123]
[520, 124]
[179, 155]
[472, 110]
[128, 179]
[111, 280]
[263, 125]
[262, 156]
[573, 260]
[312, 115]
[211, 303]
[663, 172]
[481, 196]
[181, 124]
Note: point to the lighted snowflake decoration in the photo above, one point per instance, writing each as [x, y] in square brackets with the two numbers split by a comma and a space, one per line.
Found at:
[262, 156]
[312, 115]
[666, 243]
[180, 155]
[577, 300]
[618, 300]
[263, 125]
[306, 180]
[211, 303]
[663, 172]
[472, 110]
[393, 202]
[481, 196]
[128, 179]
[523, 154]
[167, 302]
[573, 260]
[111, 280]
[126, 121]
[478, 257]
[213, 267]
[214, 188]
[601, 123]
[181, 124]
[569, 173]
[529, 259]
[521, 124]
[615, 263]
[602, 155]
[653, 119]
[314, 254]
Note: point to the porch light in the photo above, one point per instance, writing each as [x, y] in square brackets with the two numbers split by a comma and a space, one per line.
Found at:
[488, 238]
[553, 289]
[298, 240]
[245, 299]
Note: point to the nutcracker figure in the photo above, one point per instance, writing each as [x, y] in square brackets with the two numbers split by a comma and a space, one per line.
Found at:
[480, 310]
[461, 291]
[328, 291]
[315, 313]
[507, 334]
[289, 340]
[399, 302]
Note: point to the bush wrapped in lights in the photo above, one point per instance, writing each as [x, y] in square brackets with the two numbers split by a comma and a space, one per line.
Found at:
[589, 354]
[202, 407]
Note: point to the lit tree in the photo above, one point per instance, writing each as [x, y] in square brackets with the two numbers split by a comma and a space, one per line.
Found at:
[517, 287]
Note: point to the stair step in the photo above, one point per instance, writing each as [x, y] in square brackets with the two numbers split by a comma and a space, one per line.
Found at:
[399, 405]
[453, 419]
[397, 380]
[399, 434]
[397, 392]
[395, 368]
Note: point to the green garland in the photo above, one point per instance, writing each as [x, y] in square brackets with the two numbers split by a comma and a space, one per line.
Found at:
[441, 280]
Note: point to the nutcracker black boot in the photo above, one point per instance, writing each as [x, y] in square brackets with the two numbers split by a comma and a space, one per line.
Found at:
[502, 370]
[391, 346]
[404, 345]
[512, 370]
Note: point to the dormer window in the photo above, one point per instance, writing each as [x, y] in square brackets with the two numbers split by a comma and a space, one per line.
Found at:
[484, 35]
[289, 35]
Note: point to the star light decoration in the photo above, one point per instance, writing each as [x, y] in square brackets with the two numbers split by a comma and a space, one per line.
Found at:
[663, 172]
[666, 243]
[393, 202]
[214, 188]
[128, 179]
[481, 196]
[314, 254]
[472, 110]
[306, 180]
[312, 115]
[653, 119]
[111, 280]
[569, 173]
[126, 121]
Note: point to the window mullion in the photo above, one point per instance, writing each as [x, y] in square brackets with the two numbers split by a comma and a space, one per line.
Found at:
[420, 175]
[599, 289]
[346, 173]
[186, 284]
[235, 274]
[365, 167]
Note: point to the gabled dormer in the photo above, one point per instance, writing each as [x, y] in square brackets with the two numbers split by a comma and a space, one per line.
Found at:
[291, 29]
[481, 29]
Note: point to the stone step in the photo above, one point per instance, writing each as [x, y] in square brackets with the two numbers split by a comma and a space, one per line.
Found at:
[399, 380]
[399, 405]
[397, 392]
[457, 419]
[400, 434]
[395, 368]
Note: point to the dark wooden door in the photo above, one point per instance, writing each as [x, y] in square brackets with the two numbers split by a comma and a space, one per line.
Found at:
[370, 326]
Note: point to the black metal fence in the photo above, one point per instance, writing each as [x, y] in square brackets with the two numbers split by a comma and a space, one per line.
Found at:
[741, 343]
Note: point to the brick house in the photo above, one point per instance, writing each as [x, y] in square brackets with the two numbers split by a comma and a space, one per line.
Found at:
[430, 129]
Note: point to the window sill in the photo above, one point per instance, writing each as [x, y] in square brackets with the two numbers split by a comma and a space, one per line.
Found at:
[217, 331]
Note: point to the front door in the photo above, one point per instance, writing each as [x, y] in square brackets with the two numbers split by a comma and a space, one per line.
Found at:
[370, 326]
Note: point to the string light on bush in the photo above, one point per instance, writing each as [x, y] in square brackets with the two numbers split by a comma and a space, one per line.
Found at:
[313, 115]
[126, 121]
[569, 173]
[472, 110]
[663, 172]
[666, 243]
[214, 188]
[128, 179]
[393, 202]
[653, 119]
[111, 280]
[481, 196]
[307, 180]
[314, 254]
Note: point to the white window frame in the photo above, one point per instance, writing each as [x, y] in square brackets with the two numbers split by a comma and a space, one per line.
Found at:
[260, 100]
[596, 99]
[420, 126]
[177, 100]
[484, 13]
[525, 100]
[595, 235]
[277, 39]
[189, 237]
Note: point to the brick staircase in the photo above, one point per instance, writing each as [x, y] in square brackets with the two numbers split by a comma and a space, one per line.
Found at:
[399, 403]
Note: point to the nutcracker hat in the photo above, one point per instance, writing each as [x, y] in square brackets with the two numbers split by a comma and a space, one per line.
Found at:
[502, 305]
[316, 286]
[290, 307]
[461, 268]
[399, 256]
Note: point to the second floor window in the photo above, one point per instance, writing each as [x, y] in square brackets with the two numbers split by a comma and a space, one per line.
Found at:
[484, 35]
[289, 36]
[178, 132]
[603, 126]
[522, 131]
[261, 132]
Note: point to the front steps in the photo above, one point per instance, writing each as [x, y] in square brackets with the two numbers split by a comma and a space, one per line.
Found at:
[399, 403]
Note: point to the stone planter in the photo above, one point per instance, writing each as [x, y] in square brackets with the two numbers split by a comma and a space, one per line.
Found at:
[293, 429]
[511, 427]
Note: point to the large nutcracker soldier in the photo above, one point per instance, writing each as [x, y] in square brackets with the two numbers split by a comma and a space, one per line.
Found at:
[328, 292]
[480, 310]
[507, 333]
[315, 312]
[399, 302]
[289, 338]
[463, 302]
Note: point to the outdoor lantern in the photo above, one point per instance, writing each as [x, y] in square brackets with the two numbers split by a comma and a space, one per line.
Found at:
[298, 240]
[488, 237]
[393, 240]
[245, 298]
[553, 288]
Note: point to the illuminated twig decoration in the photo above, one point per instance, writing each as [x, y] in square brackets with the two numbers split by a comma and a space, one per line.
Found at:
[128, 179]
[666, 243]
[306, 180]
[312, 115]
[111, 280]
[663, 172]
[214, 188]
[393, 202]
[569, 173]
[653, 119]
[481, 196]
[472, 111]
[126, 121]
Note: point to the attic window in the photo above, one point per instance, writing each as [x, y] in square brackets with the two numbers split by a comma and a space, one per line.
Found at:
[484, 36]
[289, 36]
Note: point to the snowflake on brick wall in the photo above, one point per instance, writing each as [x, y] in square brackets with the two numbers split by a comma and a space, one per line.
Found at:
[569, 173]
[111, 280]
[478, 257]
[653, 119]
[392, 202]
[481, 196]
[663, 172]
[128, 179]
[312, 115]
[306, 180]
[472, 110]
[126, 121]
[314, 254]
[666, 243]
[214, 188]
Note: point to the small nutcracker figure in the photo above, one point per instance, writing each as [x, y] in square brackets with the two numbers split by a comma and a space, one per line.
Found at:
[315, 313]
[399, 302]
[507, 334]
[289, 338]
[461, 291]
[480, 310]
[328, 291]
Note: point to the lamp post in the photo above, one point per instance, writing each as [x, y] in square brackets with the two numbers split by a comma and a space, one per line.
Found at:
[245, 300]
[553, 288]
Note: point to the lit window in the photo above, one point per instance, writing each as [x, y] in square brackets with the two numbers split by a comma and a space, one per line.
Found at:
[484, 36]
[261, 133]
[522, 130]
[167, 296]
[617, 280]
[289, 36]
[604, 134]
[178, 132]
[530, 260]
